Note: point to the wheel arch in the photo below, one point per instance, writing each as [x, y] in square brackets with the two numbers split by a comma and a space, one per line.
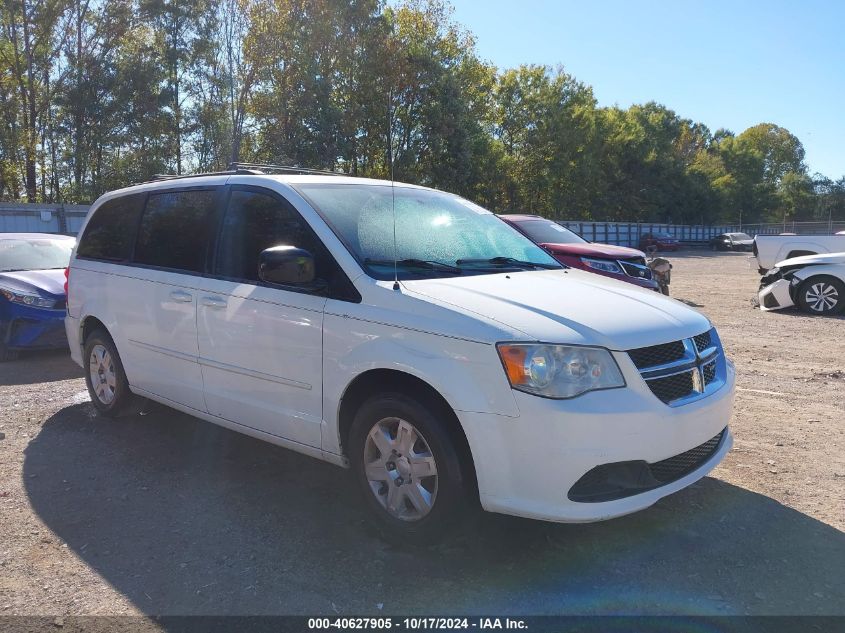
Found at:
[88, 325]
[375, 381]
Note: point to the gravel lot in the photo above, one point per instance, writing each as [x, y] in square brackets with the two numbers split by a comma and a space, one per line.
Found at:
[163, 514]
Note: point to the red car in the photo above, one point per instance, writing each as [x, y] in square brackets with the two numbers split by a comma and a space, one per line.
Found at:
[617, 262]
[659, 241]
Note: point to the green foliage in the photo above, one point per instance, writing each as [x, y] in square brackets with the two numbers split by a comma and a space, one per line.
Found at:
[97, 94]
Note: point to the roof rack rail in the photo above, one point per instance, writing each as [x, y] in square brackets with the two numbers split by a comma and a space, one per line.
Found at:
[256, 169]
[158, 177]
[289, 169]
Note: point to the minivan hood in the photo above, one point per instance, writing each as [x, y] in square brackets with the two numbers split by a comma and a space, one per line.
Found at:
[567, 306]
[49, 281]
[603, 251]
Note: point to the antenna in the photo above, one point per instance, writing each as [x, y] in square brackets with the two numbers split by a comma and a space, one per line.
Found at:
[392, 188]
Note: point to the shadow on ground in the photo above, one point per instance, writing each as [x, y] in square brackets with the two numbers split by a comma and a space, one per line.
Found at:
[183, 517]
[39, 366]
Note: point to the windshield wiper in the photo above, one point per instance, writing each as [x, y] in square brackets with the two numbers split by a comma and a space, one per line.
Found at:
[428, 264]
[509, 261]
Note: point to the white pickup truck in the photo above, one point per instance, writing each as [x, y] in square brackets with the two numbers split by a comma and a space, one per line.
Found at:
[771, 249]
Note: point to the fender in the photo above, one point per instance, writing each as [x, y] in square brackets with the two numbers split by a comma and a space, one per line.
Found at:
[829, 270]
[467, 374]
[786, 249]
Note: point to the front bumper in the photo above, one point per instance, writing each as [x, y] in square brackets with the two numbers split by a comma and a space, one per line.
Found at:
[25, 327]
[776, 296]
[527, 466]
[650, 284]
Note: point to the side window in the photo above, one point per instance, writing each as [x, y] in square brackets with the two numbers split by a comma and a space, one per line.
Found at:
[254, 222]
[175, 229]
[111, 231]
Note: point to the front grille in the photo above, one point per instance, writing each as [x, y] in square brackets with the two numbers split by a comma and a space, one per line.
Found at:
[709, 371]
[682, 371]
[657, 354]
[674, 468]
[769, 301]
[702, 341]
[672, 387]
[619, 480]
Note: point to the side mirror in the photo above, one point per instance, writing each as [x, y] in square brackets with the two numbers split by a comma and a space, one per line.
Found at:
[286, 265]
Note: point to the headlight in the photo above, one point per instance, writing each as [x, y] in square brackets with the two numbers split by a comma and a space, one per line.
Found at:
[602, 265]
[26, 299]
[559, 371]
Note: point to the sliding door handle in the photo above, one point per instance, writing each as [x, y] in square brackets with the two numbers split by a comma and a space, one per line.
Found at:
[214, 302]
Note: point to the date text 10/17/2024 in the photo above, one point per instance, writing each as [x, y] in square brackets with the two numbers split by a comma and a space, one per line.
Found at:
[417, 624]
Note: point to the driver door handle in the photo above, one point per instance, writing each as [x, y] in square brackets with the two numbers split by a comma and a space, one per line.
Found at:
[214, 302]
[181, 296]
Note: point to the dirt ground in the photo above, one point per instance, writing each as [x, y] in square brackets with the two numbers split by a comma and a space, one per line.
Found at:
[164, 514]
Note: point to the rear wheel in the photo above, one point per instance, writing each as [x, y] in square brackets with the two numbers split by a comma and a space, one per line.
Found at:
[408, 468]
[822, 295]
[104, 376]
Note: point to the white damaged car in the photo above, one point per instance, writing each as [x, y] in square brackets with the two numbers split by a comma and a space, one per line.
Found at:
[815, 283]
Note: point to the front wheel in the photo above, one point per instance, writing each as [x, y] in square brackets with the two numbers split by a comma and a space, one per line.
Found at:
[822, 295]
[405, 457]
[105, 378]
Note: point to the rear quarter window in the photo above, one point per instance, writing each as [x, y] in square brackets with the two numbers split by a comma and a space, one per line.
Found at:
[175, 229]
[111, 231]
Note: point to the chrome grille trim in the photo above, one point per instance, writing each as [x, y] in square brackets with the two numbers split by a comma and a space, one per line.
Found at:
[635, 269]
[704, 361]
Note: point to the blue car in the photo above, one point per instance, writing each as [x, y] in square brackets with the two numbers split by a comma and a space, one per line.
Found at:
[32, 291]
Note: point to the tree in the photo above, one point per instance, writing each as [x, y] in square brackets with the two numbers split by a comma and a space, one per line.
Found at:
[182, 29]
[781, 151]
[33, 35]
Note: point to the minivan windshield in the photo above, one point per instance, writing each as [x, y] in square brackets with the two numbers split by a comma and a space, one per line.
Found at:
[436, 233]
[34, 253]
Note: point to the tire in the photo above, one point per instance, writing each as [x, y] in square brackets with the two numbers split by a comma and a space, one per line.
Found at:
[822, 295]
[664, 290]
[405, 506]
[104, 375]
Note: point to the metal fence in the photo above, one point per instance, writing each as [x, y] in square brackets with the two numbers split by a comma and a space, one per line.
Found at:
[42, 218]
[68, 218]
[629, 233]
[828, 227]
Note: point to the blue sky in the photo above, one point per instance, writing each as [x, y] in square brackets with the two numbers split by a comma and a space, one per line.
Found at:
[725, 64]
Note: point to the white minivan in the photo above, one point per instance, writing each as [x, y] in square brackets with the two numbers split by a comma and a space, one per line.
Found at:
[400, 331]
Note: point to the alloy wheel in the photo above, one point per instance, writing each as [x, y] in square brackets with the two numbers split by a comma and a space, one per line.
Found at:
[101, 371]
[822, 297]
[400, 469]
